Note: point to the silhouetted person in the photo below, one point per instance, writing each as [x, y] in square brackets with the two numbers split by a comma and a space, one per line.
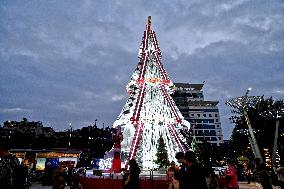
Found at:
[21, 176]
[212, 179]
[264, 177]
[181, 173]
[48, 175]
[58, 178]
[133, 181]
[76, 181]
[194, 173]
[257, 170]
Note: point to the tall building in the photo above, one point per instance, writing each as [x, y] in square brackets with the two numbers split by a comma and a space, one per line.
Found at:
[203, 115]
[150, 112]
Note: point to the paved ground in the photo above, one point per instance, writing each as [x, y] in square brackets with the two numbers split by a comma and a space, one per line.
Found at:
[252, 185]
[39, 186]
[243, 185]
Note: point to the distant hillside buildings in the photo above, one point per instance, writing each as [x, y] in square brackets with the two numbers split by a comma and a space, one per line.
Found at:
[203, 115]
[33, 135]
[25, 126]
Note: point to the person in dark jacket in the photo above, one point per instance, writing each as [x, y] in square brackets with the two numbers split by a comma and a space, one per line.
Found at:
[182, 169]
[21, 176]
[132, 181]
[264, 177]
[195, 173]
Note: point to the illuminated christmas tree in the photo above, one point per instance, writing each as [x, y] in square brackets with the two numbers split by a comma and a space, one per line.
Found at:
[150, 111]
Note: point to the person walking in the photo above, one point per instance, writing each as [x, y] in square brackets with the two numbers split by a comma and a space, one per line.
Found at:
[264, 177]
[132, 181]
[256, 172]
[248, 173]
[21, 177]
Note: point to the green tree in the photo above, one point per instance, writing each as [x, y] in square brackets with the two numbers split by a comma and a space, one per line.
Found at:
[162, 155]
[263, 126]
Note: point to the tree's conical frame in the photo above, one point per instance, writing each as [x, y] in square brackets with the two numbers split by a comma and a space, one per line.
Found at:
[150, 110]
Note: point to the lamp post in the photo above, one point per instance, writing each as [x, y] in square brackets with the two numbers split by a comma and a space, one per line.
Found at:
[242, 103]
[70, 135]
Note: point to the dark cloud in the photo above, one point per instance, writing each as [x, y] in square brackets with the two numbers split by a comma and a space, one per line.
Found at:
[69, 61]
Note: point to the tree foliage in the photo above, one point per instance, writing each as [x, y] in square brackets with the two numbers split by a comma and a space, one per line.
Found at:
[162, 155]
[262, 115]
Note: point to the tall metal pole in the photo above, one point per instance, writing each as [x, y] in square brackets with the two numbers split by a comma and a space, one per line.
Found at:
[253, 141]
[275, 145]
[242, 103]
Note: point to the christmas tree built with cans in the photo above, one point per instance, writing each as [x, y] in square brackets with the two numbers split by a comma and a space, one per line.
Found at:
[150, 112]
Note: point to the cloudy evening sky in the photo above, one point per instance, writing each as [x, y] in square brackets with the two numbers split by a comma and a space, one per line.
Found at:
[68, 61]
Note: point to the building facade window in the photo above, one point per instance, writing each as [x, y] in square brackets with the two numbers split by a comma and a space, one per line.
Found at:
[198, 112]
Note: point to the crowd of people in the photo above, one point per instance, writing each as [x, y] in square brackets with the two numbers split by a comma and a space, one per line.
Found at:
[13, 173]
[192, 175]
[184, 173]
[64, 175]
[18, 175]
[187, 173]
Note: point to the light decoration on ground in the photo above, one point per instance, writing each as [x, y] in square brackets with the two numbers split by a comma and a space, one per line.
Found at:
[150, 110]
[105, 164]
[275, 111]
[241, 105]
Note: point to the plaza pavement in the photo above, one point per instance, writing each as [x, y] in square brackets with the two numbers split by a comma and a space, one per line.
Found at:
[252, 185]
[242, 184]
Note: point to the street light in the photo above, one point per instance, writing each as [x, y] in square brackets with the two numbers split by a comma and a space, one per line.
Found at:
[242, 104]
[90, 141]
[70, 135]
